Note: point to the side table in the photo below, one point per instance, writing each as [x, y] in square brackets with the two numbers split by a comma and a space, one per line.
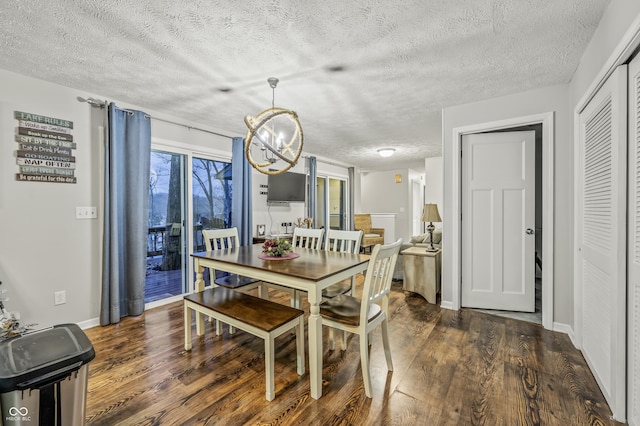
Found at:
[422, 272]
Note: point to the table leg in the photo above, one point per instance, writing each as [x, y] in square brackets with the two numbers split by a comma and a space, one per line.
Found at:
[187, 326]
[198, 287]
[315, 344]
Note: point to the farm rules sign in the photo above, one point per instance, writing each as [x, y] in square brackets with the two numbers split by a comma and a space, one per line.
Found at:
[45, 149]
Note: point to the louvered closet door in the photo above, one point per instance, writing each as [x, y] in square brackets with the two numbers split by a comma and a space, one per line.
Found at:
[601, 229]
[633, 365]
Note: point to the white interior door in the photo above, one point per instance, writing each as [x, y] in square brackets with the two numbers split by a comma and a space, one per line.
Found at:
[498, 221]
[633, 336]
[601, 237]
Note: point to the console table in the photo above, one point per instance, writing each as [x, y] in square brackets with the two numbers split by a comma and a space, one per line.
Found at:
[261, 240]
[422, 272]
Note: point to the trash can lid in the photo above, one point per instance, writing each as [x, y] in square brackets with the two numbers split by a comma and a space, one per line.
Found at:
[43, 351]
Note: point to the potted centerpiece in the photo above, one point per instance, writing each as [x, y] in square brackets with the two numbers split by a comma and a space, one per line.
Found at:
[277, 249]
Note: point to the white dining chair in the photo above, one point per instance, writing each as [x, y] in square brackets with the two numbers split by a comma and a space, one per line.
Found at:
[343, 242]
[220, 239]
[360, 317]
[307, 238]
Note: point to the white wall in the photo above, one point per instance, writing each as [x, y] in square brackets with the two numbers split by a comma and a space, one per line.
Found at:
[532, 102]
[379, 193]
[273, 215]
[616, 21]
[43, 247]
[434, 181]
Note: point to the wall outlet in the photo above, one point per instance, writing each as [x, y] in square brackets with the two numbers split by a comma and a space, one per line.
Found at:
[59, 297]
[86, 212]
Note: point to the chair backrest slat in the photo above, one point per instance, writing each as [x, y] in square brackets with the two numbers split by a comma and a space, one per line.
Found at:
[218, 239]
[377, 282]
[343, 241]
[309, 238]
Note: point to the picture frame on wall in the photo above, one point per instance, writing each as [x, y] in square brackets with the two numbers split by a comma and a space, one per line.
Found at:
[261, 230]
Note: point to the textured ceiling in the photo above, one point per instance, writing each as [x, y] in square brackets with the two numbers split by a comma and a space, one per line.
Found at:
[361, 74]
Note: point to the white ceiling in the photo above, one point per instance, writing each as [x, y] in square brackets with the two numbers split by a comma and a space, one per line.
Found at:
[361, 74]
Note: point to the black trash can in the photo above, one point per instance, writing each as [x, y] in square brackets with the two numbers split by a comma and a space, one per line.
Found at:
[43, 377]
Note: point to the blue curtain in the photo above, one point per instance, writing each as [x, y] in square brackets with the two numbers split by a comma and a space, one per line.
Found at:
[241, 214]
[313, 193]
[126, 210]
[352, 196]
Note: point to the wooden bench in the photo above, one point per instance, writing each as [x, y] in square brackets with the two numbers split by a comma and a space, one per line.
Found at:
[256, 316]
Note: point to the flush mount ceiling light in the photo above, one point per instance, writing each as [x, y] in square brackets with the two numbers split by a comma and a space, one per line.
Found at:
[386, 152]
[274, 134]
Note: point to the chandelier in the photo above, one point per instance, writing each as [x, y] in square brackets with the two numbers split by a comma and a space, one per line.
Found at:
[273, 135]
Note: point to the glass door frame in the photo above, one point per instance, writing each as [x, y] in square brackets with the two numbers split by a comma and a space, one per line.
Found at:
[326, 214]
[189, 151]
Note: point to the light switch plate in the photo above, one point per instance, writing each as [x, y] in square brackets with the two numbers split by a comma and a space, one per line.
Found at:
[86, 212]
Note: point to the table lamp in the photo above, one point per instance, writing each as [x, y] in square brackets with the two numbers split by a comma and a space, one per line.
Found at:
[430, 214]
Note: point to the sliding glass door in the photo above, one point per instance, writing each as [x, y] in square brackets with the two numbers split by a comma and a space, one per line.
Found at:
[187, 193]
[211, 197]
[331, 207]
[166, 241]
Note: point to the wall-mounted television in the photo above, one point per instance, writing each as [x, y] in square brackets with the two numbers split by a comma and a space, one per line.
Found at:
[287, 187]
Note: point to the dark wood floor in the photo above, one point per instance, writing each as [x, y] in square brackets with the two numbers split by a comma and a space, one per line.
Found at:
[450, 368]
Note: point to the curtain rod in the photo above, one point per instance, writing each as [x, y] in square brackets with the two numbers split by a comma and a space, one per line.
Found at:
[191, 127]
[95, 103]
[326, 161]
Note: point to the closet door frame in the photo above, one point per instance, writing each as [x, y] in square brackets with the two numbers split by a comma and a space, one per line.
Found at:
[600, 238]
[633, 251]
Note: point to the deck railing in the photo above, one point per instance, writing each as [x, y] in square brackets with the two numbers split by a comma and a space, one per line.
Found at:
[160, 236]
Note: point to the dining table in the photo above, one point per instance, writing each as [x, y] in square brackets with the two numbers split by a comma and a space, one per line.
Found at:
[308, 270]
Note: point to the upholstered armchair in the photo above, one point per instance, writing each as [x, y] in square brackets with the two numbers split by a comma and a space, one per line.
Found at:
[371, 236]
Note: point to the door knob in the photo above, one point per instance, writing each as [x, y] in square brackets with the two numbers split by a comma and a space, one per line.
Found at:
[530, 231]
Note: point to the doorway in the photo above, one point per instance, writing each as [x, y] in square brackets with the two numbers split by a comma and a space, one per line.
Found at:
[331, 207]
[166, 274]
[453, 229]
[188, 192]
[498, 220]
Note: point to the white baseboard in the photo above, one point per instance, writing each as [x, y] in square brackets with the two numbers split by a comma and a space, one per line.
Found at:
[446, 305]
[94, 322]
[566, 329]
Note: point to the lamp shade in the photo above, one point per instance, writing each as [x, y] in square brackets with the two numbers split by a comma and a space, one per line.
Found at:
[430, 213]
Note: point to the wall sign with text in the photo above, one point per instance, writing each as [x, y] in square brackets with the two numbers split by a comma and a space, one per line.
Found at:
[45, 149]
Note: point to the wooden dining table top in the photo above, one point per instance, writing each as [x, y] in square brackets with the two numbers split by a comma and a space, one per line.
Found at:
[313, 265]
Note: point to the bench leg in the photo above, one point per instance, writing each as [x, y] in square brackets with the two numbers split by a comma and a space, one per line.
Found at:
[269, 355]
[332, 339]
[263, 292]
[300, 345]
[187, 327]
[232, 329]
